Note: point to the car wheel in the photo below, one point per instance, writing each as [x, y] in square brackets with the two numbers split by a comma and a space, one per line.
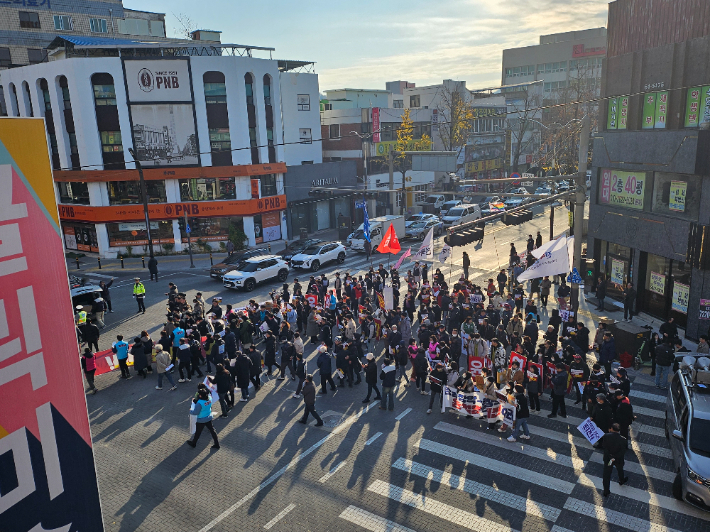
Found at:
[341, 257]
[678, 487]
[249, 285]
[315, 266]
[282, 275]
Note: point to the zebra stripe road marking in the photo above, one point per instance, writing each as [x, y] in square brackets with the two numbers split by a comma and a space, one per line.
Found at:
[370, 521]
[279, 516]
[332, 472]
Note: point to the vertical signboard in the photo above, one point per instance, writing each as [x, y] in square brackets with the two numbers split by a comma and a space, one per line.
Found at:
[45, 442]
[612, 121]
[681, 294]
[649, 110]
[623, 111]
[661, 109]
[376, 125]
[692, 107]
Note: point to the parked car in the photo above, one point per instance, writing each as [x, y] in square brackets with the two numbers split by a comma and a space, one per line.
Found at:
[85, 295]
[417, 218]
[435, 200]
[519, 190]
[230, 262]
[296, 247]
[446, 207]
[256, 270]
[313, 257]
[687, 428]
[419, 230]
[543, 190]
[461, 215]
[512, 203]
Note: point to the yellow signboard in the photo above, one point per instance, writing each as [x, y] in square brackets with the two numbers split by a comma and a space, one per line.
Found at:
[482, 166]
[676, 198]
[681, 294]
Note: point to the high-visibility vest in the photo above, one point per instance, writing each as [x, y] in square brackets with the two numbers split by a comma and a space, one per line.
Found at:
[82, 317]
[138, 289]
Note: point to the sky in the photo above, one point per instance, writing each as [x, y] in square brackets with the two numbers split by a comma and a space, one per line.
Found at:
[365, 43]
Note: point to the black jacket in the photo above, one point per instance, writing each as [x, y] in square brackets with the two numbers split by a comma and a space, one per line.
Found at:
[255, 358]
[614, 445]
[523, 410]
[300, 369]
[223, 381]
[371, 372]
[624, 415]
[602, 416]
[664, 355]
[243, 371]
[324, 363]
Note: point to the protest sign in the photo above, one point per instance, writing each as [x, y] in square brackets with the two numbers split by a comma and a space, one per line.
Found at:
[507, 415]
[516, 357]
[465, 403]
[590, 431]
[476, 364]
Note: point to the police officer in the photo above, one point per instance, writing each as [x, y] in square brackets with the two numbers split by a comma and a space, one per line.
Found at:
[139, 294]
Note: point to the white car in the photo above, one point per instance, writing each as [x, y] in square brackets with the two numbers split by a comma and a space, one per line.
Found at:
[256, 270]
[418, 218]
[446, 207]
[313, 257]
[419, 230]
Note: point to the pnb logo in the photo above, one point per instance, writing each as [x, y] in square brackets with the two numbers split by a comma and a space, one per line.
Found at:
[148, 81]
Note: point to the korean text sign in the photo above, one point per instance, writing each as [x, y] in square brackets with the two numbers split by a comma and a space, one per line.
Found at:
[623, 189]
[46, 433]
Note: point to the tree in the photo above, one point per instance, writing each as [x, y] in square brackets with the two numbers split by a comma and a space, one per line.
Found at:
[406, 142]
[455, 115]
[524, 111]
[187, 26]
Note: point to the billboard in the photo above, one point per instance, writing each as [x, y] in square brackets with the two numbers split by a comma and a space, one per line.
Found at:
[164, 134]
[166, 80]
[45, 442]
[622, 189]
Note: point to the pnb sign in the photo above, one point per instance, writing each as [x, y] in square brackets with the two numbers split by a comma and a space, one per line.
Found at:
[158, 81]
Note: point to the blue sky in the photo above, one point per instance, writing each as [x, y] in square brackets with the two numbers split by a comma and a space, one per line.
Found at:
[365, 43]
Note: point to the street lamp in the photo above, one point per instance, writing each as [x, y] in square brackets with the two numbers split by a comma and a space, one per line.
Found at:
[144, 197]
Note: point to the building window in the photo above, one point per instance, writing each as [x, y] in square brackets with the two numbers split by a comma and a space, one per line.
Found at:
[303, 102]
[306, 162]
[676, 195]
[549, 68]
[36, 55]
[210, 229]
[697, 108]
[215, 93]
[3, 104]
[129, 192]
[251, 116]
[398, 104]
[135, 234]
[29, 20]
[218, 118]
[305, 135]
[334, 132]
[268, 185]
[554, 86]
[514, 72]
[111, 141]
[98, 25]
[220, 139]
[63, 23]
[267, 90]
[327, 106]
[655, 110]
[104, 94]
[414, 101]
[73, 192]
[5, 57]
[208, 189]
[618, 112]
[107, 120]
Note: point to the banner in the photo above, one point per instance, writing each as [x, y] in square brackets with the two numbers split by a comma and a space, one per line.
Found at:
[623, 189]
[521, 359]
[676, 197]
[376, 125]
[618, 269]
[389, 298]
[681, 294]
[426, 251]
[445, 253]
[476, 364]
[468, 404]
[657, 283]
[590, 431]
[553, 262]
[390, 242]
[704, 309]
[401, 259]
[507, 414]
[45, 439]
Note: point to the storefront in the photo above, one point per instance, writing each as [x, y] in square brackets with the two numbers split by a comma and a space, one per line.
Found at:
[319, 215]
[121, 235]
[80, 237]
[664, 288]
[617, 268]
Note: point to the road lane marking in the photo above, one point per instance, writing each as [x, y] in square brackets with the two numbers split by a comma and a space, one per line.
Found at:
[279, 516]
[332, 472]
[407, 411]
[370, 521]
[369, 442]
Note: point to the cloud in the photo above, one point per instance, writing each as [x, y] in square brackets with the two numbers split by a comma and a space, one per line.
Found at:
[464, 41]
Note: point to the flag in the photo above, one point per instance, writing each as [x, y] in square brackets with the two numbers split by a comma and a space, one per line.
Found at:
[496, 207]
[426, 251]
[390, 243]
[401, 259]
[380, 300]
[366, 222]
[553, 261]
[445, 253]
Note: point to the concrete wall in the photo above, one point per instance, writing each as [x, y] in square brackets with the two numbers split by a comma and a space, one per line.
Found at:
[292, 84]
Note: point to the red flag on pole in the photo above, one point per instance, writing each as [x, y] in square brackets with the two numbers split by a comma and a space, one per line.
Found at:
[390, 243]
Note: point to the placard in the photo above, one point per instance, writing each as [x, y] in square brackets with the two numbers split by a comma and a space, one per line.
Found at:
[623, 189]
[704, 309]
[676, 197]
[618, 269]
[657, 283]
[681, 294]
[590, 431]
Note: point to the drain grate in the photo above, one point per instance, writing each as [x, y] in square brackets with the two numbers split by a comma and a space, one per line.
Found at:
[332, 419]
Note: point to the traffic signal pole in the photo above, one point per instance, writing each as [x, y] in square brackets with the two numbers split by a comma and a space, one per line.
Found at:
[580, 200]
[393, 192]
[144, 197]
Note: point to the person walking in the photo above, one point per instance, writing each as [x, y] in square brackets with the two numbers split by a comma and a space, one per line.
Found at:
[325, 366]
[437, 380]
[139, 294]
[614, 445]
[545, 287]
[300, 373]
[140, 360]
[607, 354]
[309, 400]
[223, 380]
[466, 263]
[184, 361]
[559, 388]
[256, 368]
[105, 293]
[162, 362]
[371, 378]
[153, 268]
[665, 355]
[629, 298]
[242, 368]
[88, 364]
[202, 408]
[624, 415]
[387, 376]
[98, 308]
[120, 349]
[91, 335]
[601, 293]
[522, 413]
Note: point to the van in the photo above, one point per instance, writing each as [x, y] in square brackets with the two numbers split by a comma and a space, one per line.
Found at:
[446, 207]
[461, 215]
[687, 427]
[435, 201]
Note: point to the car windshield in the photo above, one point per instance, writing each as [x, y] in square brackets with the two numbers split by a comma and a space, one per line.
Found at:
[414, 217]
[431, 199]
[455, 212]
[248, 267]
[418, 225]
[233, 259]
[450, 204]
[311, 250]
[359, 234]
[699, 437]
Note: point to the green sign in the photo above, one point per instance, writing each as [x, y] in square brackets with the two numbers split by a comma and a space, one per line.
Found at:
[612, 121]
[623, 104]
[649, 111]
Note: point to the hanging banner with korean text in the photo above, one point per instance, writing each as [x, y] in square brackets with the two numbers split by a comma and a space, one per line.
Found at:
[657, 283]
[681, 293]
[44, 437]
[618, 267]
[676, 196]
[623, 189]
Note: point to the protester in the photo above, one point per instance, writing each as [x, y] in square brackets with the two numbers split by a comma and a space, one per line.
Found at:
[614, 445]
[88, 364]
[309, 400]
[202, 408]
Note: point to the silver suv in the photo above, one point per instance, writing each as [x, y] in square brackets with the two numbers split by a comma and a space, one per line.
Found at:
[688, 429]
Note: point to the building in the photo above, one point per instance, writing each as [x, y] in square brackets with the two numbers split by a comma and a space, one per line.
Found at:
[214, 126]
[27, 27]
[650, 199]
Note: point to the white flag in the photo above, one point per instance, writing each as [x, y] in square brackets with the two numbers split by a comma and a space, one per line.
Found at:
[552, 262]
[445, 253]
[426, 251]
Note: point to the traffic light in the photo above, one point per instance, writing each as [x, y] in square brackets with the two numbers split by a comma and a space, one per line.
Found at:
[464, 237]
[518, 217]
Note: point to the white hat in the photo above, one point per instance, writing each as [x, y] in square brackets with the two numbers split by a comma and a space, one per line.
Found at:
[322, 349]
[369, 356]
[79, 307]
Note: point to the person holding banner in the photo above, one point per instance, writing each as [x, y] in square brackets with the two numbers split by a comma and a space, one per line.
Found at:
[580, 374]
[202, 408]
[522, 413]
[490, 393]
[534, 386]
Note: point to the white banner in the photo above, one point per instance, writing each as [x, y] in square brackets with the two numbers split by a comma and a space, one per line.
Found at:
[444, 254]
[590, 431]
[554, 261]
[426, 251]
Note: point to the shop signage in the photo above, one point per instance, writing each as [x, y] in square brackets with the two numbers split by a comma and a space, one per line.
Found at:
[376, 125]
[45, 440]
[383, 148]
[158, 80]
[140, 226]
[623, 189]
[618, 113]
[254, 189]
[676, 198]
[681, 294]
[324, 182]
[172, 211]
[618, 268]
[159, 174]
[704, 309]
[580, 50]
[697, 109]
[657, 283]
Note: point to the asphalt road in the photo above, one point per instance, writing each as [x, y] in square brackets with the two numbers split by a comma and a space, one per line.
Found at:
[366, 469]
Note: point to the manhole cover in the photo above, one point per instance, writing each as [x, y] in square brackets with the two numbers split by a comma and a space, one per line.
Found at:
[332, 419]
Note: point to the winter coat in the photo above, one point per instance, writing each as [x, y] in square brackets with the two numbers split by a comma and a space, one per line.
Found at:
[545, 286]
[230, 343]
[324, 363]
[405, 329]
[607, 352]
[223, 381]
[559, 382]
[255, 358]
[439, 374]
[300, 369]
[270, 351]
[532, 331]
[514, 326]
[309, 393]
[387, 376]
[523, 410]
[162, 361]
[602, 416]
[579, 366]
[664, 355]
[371, 372]
[245, 332]
[477, 347]
[624, 414]
[243, 371]
[312, 328]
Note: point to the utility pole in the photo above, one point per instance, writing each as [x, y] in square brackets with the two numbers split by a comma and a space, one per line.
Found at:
[144, 197]
[392, 191]
[580, 199]
[188, 230]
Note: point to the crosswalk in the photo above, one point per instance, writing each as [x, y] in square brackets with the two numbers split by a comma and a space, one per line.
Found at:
[467, 478]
